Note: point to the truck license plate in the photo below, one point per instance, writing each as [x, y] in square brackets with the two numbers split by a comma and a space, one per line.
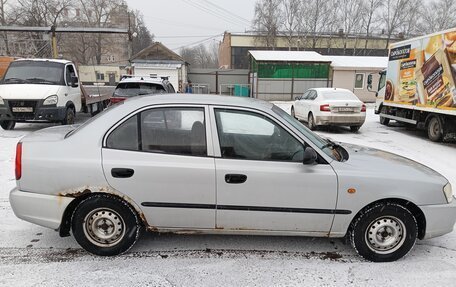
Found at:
[22, 109]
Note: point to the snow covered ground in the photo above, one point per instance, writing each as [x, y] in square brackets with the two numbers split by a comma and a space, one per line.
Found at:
[34, 256]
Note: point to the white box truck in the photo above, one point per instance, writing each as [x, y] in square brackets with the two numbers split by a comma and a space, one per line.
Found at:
[418, 86]
[44, 90]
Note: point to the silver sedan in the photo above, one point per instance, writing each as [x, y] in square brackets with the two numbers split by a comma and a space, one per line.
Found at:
[223, 165]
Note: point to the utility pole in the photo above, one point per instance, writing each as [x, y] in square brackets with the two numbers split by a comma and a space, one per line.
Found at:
[55, 53]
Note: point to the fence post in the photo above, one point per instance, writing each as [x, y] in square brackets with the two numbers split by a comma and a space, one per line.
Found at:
[216, 82]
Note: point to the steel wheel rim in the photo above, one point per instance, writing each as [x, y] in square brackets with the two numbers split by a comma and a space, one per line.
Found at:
[385, 235]
[434, 128]
[104, 227]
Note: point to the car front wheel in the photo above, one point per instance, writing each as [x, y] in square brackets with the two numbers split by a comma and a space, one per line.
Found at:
[385, 232]
[105, 225]
[7, 125]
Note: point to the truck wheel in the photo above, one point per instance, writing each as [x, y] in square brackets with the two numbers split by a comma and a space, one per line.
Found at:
[384, 121]
[385, 232]
[105, 225]
[355, 128]
[7, 125]
[435, 129]
[69, 117]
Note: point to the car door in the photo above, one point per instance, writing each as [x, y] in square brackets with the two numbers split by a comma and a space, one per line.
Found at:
[299, 105]
[72, 92]
[262, 184]
[161, 159]
[306, 103]
[312, 103]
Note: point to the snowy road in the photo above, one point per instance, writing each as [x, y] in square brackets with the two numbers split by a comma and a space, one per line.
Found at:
[34, 256]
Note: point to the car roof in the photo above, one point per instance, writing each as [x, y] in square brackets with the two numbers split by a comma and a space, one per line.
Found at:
[330, 90]
[198, 99]
[139, 79]
[61, 61]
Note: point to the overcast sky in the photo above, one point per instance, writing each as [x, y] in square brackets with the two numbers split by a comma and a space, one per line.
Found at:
[178, 23]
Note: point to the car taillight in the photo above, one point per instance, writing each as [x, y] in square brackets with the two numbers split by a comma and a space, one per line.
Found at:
[363, 108]
[324, 108]
[117, 100]
[18, 161]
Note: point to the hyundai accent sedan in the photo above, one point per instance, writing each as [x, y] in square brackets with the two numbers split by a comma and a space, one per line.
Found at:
[329, 107]
[222, 165]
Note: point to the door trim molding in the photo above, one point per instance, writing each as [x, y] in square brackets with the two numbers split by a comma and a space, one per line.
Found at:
[246, 208]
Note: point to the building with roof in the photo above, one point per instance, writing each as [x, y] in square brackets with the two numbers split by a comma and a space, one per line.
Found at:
[283, 75]
[158, 60]
[234, 48]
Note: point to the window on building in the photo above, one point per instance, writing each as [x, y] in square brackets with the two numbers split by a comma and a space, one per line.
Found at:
[359, 81]
[100, 76]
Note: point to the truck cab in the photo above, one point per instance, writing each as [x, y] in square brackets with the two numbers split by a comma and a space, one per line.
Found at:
[39, 90]
[380, 94]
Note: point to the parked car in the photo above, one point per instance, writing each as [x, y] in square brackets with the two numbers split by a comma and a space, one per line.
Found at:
[222, 165]
[329, 107]
[132, 86]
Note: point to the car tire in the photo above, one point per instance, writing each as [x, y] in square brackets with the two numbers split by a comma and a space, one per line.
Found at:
[311, 122]
[8, 125]
[293, 113]
[69, 117]
[385, 232]
[355, 128]
[435, 129]
[105, 225]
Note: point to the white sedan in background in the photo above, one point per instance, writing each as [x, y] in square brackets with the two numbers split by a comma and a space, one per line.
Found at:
[329, 106]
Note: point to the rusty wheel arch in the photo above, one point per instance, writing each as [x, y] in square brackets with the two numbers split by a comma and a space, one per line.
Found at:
[65, 225]
[413, 208]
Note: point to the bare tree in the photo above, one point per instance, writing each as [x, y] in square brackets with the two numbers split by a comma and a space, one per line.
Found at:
[143, 38]
[317, 12]
[438, 15]
[370, 19]
[201, 56]
[394, 16]
[267, 21]
[292, 19]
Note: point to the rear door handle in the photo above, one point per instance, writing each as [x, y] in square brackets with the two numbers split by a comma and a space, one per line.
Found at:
[235, 178]
[122, 172]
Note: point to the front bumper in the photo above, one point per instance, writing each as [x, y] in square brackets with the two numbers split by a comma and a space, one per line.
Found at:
[440, 219]
[38, 112]
[340, 120]
[42, 209]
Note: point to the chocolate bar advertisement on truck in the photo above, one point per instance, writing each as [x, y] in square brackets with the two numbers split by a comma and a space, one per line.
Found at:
[418, 87]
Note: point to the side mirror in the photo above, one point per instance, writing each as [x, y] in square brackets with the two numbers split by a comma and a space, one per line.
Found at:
[310, 156]
[369, 82]
[74, 82]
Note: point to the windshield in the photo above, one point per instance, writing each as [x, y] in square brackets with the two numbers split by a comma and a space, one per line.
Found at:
[34, 72]
[314, 138]
[137, 89]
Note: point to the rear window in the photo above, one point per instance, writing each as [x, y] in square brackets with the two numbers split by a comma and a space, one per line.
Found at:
[339, 95]
[138, 89]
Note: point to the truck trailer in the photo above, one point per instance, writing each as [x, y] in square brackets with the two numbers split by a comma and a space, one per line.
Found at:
[418, 86]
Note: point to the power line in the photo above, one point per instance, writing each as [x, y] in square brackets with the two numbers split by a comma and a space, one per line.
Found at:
[226, 11]
[197, 42]
[215, 13]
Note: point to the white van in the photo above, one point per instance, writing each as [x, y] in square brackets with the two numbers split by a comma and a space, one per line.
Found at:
[39, 90]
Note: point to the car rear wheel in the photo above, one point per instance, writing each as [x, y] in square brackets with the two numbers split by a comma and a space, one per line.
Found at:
[7, 125]
[105, 225]
[311, 122]
[69, 117]
[385, 232]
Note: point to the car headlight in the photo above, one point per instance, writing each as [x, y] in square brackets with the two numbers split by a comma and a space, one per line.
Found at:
[448, 191]
[51, 100]
[2, 102]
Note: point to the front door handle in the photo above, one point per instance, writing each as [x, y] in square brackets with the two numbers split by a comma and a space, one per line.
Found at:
[122, 172]
[235, 178]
